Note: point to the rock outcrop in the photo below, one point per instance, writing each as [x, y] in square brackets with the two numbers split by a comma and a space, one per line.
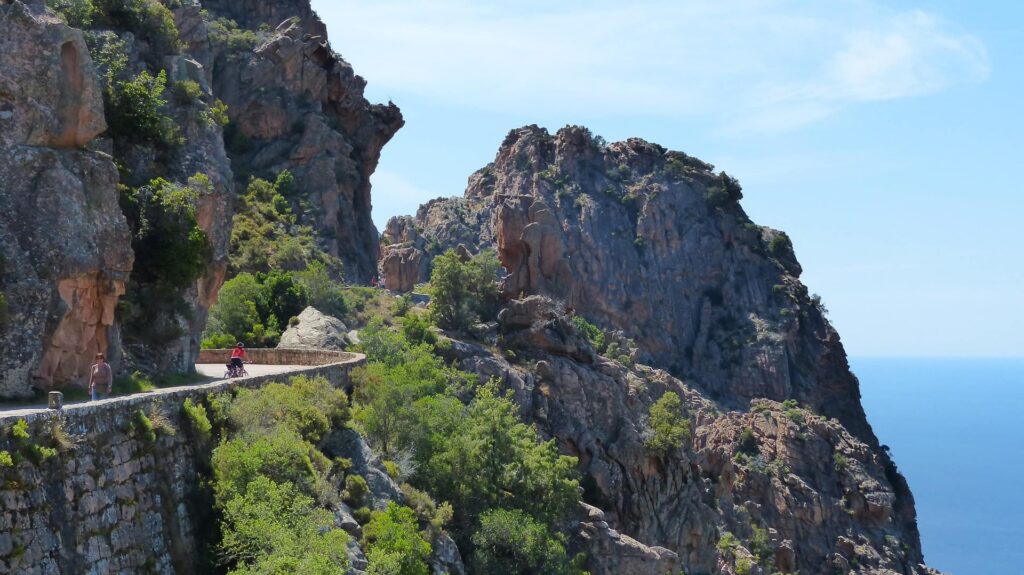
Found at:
[293, 104]
[66, 247]
[296, 105]
[653, 247]
[777, 485]
[651, 243]
[315, 330]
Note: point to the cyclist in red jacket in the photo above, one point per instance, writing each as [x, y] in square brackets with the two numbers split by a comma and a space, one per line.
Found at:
[238, 357]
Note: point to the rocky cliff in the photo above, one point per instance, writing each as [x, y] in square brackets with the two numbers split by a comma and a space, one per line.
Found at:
[66, 245]
[296, 105]
[773, 488]
[652, 246]
[122, 114]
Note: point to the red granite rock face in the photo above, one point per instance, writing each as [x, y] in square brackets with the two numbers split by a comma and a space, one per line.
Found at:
[299, 106]
[628, 234]
[66, 247]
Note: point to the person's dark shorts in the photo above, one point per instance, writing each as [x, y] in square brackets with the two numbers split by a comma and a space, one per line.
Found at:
[236, 362]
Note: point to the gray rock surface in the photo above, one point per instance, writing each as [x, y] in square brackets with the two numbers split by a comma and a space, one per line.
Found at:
[802, 478]
[66, 249]
[625, 235]
[315, 330]
[298, 106]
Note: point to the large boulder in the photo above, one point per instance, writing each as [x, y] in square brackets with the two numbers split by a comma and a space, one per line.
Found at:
[315, 330]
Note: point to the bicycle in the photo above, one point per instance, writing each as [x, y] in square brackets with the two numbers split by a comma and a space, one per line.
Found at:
[233, 371]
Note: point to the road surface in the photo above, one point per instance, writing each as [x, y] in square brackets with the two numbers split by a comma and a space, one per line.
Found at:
[217, 370]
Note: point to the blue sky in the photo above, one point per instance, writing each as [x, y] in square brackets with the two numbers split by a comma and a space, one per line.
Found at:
[885, 138]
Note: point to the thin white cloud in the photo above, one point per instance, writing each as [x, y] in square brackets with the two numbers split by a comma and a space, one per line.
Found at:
[762, 65]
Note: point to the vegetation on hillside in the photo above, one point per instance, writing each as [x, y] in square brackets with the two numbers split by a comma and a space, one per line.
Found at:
[171, 252]
[464, 293]
[463, 443]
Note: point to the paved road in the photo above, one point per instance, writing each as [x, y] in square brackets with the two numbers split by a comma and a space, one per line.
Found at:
[217, 369]
[211, 370]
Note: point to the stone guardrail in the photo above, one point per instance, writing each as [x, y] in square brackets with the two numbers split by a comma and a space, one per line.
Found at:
[279, 356]
[110, 501]
[335, 365]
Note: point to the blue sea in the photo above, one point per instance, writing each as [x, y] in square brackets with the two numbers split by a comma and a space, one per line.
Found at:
[956, 429]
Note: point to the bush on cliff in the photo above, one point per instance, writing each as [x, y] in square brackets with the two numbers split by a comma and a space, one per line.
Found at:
[252, 308]
[512, 542]
[464, 292]
[266, 234]
[392, 538]
[274, 528]
[467, 444]
[171, 253]
[135, 111]
[147, 19]
[669, 430]
[77, 13]
[268, 478]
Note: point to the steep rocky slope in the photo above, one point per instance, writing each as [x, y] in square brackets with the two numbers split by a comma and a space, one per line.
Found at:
[648, 242]
[296, 105]
[776, 488]
[69, 169]
[652, 246]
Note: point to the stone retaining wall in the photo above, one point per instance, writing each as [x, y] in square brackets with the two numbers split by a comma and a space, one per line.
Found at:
[111, 501]
[279, 356]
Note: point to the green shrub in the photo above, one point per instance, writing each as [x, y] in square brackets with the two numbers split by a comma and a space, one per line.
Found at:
[275, 528]
[380, 343]
[147, 19]
[134, 113]
[743, 566]
[417, 329]
[402, 306]
[216, 114]
[362, 515]
[780, 246]
[760, 544]
[512, 542]
[266, 235]
[840, 461]
[171, 253]
[670, 430]
[76, 13]
[392, 469]
[19, 430]
[325, 294]
[137, 382]
[198, 419]
[278, 454]
[226, 33]
[187, 92]
[308, 407]
[464, 292]
[251, 308]
[747, 443]
[219, 341]
[5, 459]
[428, 511]
[727, 544]
[142, 426]
[590, 332]
[393, 534]
[793, 411]
[726, 191]
[484, 457]
[356, 490]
